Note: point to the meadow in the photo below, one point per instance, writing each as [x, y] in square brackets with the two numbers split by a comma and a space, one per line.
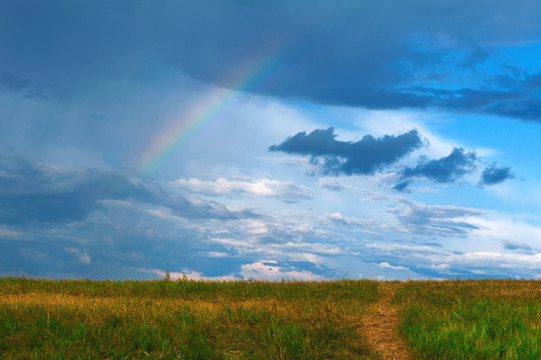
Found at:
[482, 319]
[183, 319]
[82, 319]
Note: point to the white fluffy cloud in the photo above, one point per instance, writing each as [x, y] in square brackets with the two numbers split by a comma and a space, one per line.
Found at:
[386, 265]
[81, 255]
[270, 270]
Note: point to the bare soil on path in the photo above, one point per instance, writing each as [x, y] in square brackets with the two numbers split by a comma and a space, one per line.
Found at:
[380, 327]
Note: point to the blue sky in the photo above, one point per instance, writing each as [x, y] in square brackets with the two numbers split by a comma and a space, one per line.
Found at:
[270, 140]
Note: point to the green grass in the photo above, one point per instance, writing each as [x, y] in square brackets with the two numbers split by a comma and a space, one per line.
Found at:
[82, 319]
[471, 319]
[42, 319]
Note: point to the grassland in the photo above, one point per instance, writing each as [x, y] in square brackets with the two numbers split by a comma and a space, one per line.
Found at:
[43, 319]
[484, 319]
[184, 320]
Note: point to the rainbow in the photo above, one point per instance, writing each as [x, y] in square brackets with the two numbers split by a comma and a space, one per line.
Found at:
[249, 76]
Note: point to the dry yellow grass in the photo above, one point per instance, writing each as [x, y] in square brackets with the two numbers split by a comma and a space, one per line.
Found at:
[186, 320]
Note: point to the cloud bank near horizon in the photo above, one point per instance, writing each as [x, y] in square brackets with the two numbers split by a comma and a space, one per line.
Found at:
[130, 228]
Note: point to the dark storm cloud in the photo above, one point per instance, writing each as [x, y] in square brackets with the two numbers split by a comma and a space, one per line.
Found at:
[378, 55]
[525, 109]
[18, 175]
[519, 98]
[524, 104]
[494, 175]
[444, 170]
[363, 157]
[31, 193]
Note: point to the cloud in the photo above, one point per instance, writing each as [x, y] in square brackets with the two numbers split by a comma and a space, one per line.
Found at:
[523, 102]
[186, 274]
[362, 157]
[451, 168]
[285, 191]
[386, 265]
[70, 204]
[493, 259]
[385, 55]
[512, 245]
[470, 264]
[494, 175]
[31, 193]
[270, 270]
[510, 228]
[28, 87]
[17, 175]
[331, 184]
[368, 155]
[520, 102]
[444, 170]
[416, 45]
[366, 225]
[82, 256]
[4, 233]
[402, 186]
[439, 220]
[152, 226]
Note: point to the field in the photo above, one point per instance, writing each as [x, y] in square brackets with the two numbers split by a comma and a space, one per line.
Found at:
[346, 319]
[484, 319]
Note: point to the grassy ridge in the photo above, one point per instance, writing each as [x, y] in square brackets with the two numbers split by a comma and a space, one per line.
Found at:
[483, 319]
[184, 320]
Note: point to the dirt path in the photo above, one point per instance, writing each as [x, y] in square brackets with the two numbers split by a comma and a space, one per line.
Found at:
[380, 328]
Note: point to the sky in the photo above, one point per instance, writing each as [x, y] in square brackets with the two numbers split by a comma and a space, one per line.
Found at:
[308, 140]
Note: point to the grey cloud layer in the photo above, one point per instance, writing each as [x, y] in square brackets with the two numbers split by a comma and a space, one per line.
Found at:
[58, 222]
[31, 193]
[378, 55]
[364, 156]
